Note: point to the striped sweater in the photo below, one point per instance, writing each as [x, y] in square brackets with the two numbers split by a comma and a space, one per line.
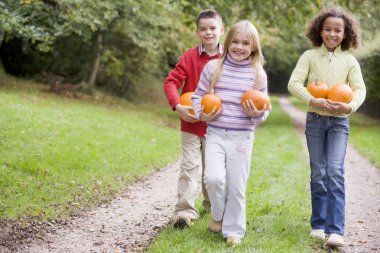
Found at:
[235, 79]
[341, 68]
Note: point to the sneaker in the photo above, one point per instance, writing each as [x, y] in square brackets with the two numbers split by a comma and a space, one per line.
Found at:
[215, 226]
[181, 222]
[335, 240]
[233, 241]
[318, 233]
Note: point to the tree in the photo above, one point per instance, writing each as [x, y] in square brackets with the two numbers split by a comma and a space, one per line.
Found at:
[123, 42]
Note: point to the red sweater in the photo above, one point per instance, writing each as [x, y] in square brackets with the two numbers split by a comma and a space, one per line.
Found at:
[187, 73]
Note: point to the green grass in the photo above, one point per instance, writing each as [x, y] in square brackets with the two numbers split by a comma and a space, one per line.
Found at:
[364, 134]
[58, 155]
[278, 199]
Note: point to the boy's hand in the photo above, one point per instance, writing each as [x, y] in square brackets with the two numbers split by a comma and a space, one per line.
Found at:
[250, 109]
[210, 116]
[184, 113]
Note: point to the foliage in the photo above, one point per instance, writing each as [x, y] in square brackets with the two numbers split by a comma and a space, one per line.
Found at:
[62, 63]
[41, 23]
[145, 38]
[371, 75]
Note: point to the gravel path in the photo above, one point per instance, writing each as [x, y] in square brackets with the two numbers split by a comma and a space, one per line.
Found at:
[127, 224]
[362, 193]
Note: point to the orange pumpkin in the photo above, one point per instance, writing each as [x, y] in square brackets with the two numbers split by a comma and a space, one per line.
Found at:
[185, 99]
[318, 89]
[341, 93]
[210, 101]
[258, 98]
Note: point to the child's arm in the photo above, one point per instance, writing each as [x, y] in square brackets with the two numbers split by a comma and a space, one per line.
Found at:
[356, 82]
[297, 79]
[184, 113]
[296, 85]
[260, 116]
[174, 81]
[202, 89]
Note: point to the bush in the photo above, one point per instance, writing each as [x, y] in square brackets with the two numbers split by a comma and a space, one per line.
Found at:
[371, 75]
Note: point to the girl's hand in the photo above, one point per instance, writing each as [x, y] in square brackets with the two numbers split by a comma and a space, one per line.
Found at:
[339, 107]
[184, 113]
[210, 116]
[321, 104]
[330, 106]
[250, 109]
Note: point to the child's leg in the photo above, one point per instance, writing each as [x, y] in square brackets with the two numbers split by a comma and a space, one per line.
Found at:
[215, 174]
[336, 152]
[188, 176]
[206, 201]
[316, 142]
[239, 150]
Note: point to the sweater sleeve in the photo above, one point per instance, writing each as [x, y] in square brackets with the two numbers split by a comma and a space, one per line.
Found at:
[261, 119]
[297, 79]
[202, 88]
[356, 82]
[174, 81]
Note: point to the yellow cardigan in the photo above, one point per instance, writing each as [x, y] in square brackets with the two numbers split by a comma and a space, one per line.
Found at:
[341, 68]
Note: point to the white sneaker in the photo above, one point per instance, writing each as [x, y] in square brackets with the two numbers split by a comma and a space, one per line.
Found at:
[318, 233]
[335, 240]
[233, 241]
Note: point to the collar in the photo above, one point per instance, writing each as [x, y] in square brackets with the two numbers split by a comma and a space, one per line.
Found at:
[325, 52]
[202, 49]
[242, 63]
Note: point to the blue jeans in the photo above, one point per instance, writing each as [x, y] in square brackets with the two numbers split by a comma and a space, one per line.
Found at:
[327, 142]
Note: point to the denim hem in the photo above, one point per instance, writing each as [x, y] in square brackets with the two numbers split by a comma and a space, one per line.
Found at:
[323, 228]
[334, 232]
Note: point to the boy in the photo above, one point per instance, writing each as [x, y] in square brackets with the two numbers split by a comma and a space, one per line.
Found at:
[186, 74]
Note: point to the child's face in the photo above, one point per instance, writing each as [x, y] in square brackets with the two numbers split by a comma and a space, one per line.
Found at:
[209, 31]
[332, 32]
[240, 47]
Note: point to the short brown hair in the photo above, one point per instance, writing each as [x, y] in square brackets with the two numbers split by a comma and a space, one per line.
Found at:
[351, 28]
[208, 13]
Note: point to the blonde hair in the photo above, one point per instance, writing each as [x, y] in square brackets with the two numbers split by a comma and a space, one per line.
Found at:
[256, 54]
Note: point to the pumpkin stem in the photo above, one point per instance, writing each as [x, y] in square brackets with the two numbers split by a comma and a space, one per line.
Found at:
[316, 81]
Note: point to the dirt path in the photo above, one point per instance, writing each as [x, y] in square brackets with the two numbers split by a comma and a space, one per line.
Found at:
[127, 224]
[362, 193]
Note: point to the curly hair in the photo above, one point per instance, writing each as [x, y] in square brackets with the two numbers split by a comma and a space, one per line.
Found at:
[351, 28]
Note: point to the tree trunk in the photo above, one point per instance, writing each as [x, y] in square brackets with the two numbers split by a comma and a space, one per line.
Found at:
[2, 71]
[95, 66]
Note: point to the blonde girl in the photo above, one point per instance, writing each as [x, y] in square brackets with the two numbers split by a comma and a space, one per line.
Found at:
[230, 132]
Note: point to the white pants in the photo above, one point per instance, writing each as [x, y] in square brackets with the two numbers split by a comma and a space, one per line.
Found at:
[227, 166]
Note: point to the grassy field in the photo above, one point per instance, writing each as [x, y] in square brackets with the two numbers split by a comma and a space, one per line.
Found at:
[58, 155]
[364, 134]
[277, 199]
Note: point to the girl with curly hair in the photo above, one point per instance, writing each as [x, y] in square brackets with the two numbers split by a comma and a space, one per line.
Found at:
[332, 32]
